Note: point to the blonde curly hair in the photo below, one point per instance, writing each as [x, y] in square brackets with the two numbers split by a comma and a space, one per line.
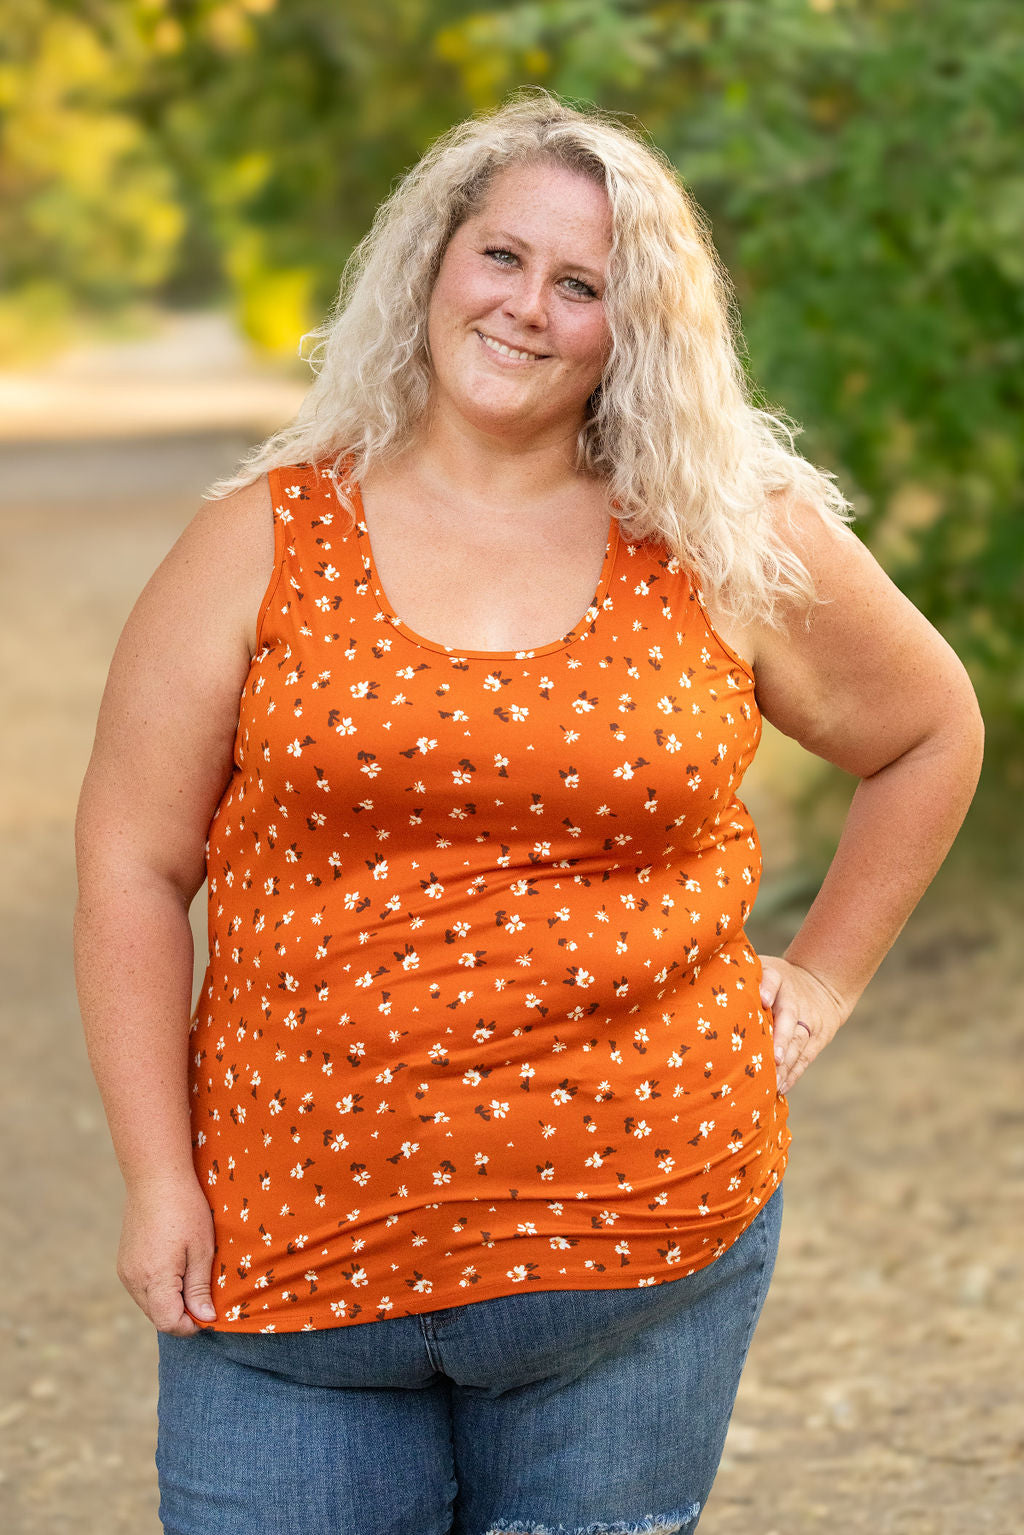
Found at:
[690, 461]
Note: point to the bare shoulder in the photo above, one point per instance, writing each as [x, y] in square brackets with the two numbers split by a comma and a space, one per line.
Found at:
[193, 628]
[831, 554]
[248, 510]
[861, 675]
[167, 721]
[814, 541]
[225, 558]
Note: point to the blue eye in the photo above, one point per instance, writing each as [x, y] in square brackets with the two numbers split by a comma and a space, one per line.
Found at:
[579, 286]
[575, 285]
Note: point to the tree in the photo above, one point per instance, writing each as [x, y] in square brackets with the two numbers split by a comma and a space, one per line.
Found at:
[860, 161]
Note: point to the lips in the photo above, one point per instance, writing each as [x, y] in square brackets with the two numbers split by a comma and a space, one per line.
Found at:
[504, 350]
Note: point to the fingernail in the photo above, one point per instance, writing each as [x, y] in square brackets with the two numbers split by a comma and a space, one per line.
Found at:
[207, 1312]
[778, 1057]
[764, 997]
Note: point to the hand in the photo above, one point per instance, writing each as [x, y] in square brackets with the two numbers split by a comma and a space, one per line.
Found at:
[806, 1014]
[166, 1254]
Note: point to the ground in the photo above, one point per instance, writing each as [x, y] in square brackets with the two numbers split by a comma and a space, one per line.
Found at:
[882, 1389]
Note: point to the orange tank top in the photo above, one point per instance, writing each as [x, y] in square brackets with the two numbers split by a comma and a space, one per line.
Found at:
[479, 1014]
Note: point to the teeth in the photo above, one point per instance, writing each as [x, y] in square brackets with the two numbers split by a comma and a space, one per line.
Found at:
[506, 351]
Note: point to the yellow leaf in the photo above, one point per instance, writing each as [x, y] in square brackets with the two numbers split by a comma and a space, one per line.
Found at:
[275, 308]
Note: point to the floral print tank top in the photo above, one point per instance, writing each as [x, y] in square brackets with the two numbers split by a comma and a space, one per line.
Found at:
[480, 1014]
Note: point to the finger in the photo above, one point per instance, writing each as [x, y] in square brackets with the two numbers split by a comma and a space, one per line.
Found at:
[796, 1056]
[783, 1026]
[182, 1329]
[771, 980]
[196, 1286]
[789, 1045]
[166, 1310]
[136, 1285]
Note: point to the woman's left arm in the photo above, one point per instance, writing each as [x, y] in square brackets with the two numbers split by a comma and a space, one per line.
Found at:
[869, 685]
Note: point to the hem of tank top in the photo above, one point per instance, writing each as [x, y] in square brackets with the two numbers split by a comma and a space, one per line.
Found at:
[733, 655]
[535, 652]
[277, 574]
[497, 1289]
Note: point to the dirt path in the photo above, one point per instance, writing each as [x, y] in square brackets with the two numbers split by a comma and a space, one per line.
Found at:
[882, 1391]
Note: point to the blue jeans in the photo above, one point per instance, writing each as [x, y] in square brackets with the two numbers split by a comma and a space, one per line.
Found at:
[543, 1411]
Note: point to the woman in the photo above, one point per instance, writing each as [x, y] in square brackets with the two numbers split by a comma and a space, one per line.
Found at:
[458, 676]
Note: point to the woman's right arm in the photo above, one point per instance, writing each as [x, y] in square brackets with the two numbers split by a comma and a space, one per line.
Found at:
[161, 759]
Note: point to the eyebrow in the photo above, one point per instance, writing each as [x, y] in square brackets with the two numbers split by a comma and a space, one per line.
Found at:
[508, 238]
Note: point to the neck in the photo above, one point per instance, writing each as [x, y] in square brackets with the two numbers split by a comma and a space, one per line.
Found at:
[492, 469]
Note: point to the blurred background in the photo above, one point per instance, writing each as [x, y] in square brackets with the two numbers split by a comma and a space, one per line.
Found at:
[181, 182]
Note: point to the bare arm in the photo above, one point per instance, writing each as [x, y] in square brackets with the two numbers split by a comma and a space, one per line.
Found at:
[873, 688]
[162, 756]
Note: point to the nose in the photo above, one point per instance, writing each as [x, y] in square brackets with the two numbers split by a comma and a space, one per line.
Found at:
[526, 301]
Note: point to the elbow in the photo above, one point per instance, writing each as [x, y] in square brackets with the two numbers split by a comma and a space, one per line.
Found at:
[962, 734]
[950, 742]
[978, 726]
[971, 724]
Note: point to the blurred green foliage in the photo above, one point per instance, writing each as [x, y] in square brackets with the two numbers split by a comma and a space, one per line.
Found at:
[862, 162]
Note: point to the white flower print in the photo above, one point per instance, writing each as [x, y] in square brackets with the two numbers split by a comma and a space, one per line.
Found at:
[309, 949]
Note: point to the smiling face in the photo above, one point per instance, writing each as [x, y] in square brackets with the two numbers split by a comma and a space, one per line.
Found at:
[517, 330]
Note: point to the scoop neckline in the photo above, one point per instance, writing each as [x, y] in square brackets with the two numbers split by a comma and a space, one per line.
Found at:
[578, 631]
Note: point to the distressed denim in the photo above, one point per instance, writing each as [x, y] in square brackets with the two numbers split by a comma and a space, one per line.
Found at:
[553, 1412]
